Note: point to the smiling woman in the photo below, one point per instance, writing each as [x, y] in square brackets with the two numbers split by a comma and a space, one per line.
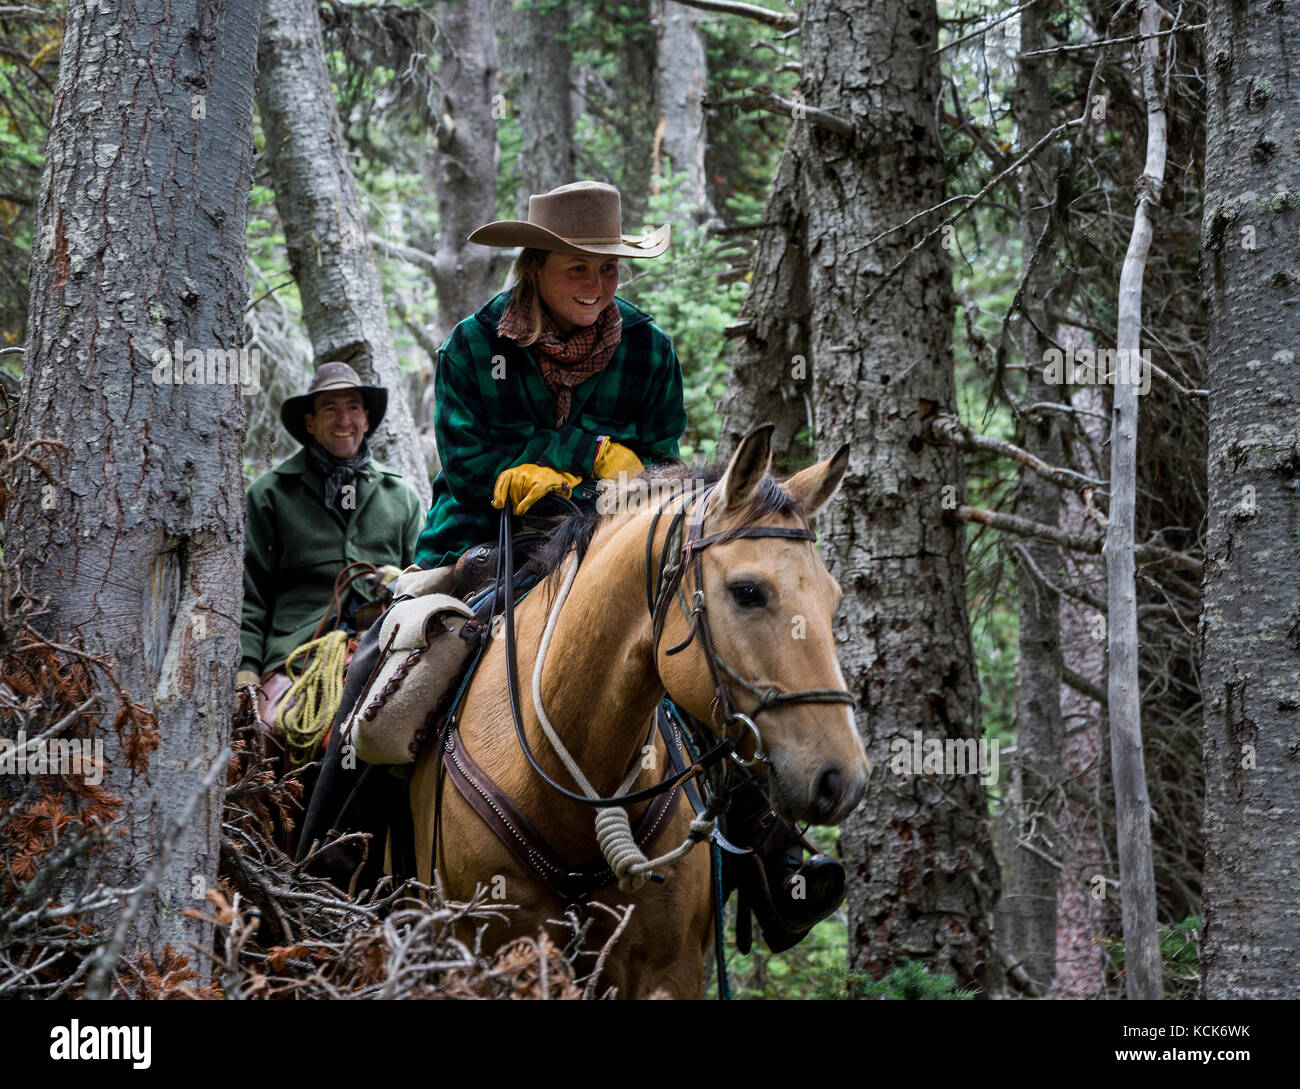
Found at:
[575, 289]
[553, 382]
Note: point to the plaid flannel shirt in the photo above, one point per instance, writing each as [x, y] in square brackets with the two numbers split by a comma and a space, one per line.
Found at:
[493, 411]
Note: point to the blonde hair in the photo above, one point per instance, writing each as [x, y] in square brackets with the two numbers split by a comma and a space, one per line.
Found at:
[528, 267]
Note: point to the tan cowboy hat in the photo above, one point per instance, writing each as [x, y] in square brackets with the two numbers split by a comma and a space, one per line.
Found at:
[330, 376]
[581, 217]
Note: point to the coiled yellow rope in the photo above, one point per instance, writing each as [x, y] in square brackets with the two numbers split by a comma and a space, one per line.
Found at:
[308, 708]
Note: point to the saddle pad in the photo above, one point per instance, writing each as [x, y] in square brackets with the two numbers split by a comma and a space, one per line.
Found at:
[419, 664]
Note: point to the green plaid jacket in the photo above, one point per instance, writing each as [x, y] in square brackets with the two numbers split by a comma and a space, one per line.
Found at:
[493, 411]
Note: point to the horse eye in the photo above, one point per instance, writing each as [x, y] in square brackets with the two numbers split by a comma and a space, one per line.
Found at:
[748, 596]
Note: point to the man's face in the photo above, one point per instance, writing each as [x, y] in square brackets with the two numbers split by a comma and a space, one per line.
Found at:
[339, 423]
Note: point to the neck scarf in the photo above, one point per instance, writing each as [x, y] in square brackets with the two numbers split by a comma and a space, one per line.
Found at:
[565, 361]
[335, 471]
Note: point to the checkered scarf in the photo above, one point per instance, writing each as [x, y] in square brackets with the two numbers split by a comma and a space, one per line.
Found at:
[565, 362]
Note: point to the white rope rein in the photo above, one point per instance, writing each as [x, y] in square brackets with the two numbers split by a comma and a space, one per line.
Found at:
[613, 827]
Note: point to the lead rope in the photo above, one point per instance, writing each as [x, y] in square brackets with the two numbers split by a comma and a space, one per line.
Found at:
[613, 827]
[309, 706]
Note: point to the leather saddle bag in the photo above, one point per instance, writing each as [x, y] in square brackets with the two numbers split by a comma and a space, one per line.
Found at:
[422, 656]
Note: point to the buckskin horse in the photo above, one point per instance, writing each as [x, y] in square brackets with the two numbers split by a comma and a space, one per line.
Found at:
[763, 604]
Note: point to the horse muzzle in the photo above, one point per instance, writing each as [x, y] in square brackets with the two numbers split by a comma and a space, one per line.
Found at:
[829, 795]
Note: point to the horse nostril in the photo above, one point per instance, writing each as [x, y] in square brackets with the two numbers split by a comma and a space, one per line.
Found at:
[830, 788]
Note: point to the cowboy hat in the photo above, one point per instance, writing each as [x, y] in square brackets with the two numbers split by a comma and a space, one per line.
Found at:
[332, 376]
[581, 217]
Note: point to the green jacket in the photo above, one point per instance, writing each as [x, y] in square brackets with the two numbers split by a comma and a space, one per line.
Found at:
[492, 411]
[294, 548]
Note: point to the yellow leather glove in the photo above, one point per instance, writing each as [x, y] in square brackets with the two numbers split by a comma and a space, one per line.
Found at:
[247, 677]
[613, 458]
[524, 485]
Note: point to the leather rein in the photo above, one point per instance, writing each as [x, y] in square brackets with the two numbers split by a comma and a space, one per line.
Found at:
[682, 551]
[676, 559]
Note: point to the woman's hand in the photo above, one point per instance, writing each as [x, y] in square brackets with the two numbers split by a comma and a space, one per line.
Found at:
[613, 458]
[524, 485]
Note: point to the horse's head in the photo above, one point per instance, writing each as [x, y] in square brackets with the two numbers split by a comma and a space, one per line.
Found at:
[770, 603]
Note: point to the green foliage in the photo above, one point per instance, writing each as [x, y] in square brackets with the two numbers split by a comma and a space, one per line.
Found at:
[681, 290]
[29, 53]
[911, 982]
[1180, 958]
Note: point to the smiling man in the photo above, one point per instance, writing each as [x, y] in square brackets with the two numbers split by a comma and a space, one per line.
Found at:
[328, 505]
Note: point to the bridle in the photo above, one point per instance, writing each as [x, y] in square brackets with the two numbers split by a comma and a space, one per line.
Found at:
[676, 559]
[620, 847]
[680, 553]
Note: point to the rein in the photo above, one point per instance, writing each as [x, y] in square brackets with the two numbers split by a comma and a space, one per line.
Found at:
[680, 553]
[505, 559]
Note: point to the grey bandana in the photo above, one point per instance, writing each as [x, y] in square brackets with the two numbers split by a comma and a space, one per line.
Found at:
[337, 472]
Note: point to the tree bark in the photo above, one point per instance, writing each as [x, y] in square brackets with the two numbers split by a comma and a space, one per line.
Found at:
[682, 80]
[1081, 914]
[1029, 907]
[771, 365]
[636, 103]
[923, 880]
[325, 227]
[1132, 807]
[538, 63]
[463, 165]
[1250, 634]
[139, 546]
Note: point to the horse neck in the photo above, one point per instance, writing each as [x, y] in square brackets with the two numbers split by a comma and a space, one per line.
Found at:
[599, 685]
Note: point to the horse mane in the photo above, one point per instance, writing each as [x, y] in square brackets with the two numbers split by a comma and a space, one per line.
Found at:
[575, 531]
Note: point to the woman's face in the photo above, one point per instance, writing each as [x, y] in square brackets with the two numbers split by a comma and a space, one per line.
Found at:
[576, 288]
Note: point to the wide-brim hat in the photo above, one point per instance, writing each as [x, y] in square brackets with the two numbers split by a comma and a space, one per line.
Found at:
[332, 376]
[581, 217]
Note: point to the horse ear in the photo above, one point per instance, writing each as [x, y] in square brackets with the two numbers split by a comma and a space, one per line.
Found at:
[817, 483]
[749, 464]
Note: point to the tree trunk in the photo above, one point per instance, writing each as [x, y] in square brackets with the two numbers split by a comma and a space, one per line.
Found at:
[538, 63]
[1029, 907]
[682, 79]
[771, 366]
[922, 876]
[324, 225]
[141, 249]
[1132, 806]
[1081, 913]
[635, 103]
[1250, 634]
[463, 166]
